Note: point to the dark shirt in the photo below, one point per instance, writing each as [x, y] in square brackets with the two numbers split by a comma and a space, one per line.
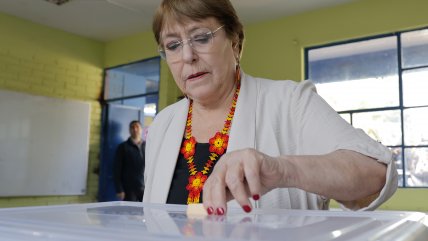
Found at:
[177, 192]
[129, 165]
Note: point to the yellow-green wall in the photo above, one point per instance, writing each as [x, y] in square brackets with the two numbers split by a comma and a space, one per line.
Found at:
[43, 61]
[273, 49]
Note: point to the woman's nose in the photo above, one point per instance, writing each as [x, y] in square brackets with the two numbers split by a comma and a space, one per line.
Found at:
[188, 53]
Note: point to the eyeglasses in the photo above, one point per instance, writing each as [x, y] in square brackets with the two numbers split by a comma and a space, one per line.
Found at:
[200, 40]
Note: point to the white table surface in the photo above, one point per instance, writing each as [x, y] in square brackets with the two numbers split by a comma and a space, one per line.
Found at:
[138, 221]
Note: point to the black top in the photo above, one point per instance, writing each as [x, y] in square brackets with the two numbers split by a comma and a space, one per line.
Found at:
[177, 191]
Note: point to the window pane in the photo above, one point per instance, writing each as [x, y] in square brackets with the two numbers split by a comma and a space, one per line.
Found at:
[397, 158]
[132, 79]
[357, 75]
[151, 105]
[415, 87]
[416, 126]
[383, 126]
[415, 48]
[148, 103]
[136, 102]
[416, 160]
[150, 110]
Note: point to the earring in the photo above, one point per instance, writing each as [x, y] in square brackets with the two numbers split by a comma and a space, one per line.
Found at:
[238, 73]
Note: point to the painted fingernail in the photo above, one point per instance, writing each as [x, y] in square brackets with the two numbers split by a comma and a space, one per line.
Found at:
[210, 210]
[246, 208]
[220, 211]
[256, 197]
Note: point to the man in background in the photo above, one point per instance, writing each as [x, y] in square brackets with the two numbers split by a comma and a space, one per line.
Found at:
[129, 165]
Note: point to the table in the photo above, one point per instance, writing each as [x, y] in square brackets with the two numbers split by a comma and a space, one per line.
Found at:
[140, 221]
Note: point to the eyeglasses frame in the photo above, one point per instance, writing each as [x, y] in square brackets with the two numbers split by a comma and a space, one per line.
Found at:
[189, 41]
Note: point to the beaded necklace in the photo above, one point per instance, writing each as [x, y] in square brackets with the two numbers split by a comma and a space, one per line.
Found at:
[218, 145]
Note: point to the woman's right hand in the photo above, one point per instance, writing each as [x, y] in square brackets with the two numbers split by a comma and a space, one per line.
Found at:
[241, 175]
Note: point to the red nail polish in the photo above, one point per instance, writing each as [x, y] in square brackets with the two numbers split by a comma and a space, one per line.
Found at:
[220, 211]
[256, 197]
[246, 208]
[210, 210]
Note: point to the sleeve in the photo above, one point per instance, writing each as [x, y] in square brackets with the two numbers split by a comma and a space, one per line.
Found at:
[323, 131]
[117, 168]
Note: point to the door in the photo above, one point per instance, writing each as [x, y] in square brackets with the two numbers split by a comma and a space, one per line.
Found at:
[115, 131]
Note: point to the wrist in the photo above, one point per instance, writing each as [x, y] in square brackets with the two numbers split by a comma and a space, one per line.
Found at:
[288, 172]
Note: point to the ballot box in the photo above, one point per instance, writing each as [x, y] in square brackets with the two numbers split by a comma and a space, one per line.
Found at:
[139, 221]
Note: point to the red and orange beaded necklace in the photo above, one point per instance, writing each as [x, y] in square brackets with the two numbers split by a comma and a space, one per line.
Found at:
[218, 145]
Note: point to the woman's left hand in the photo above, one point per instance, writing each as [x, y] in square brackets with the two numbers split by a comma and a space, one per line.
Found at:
[241, 175]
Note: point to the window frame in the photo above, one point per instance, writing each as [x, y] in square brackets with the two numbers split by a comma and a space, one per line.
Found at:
[109, 100]
[400, 107]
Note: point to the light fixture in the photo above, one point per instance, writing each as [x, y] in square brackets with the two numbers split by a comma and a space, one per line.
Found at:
[58, 2]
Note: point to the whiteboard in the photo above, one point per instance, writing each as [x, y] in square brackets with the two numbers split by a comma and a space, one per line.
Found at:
[44, 145]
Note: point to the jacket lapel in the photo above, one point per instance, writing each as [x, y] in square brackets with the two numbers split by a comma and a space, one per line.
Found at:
[242, 133]
[168, 155]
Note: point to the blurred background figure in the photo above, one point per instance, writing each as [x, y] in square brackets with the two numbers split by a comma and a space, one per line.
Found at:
[129, 165]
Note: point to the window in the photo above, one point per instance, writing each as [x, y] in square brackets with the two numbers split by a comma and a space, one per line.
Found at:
[381, 86]
[134, 85]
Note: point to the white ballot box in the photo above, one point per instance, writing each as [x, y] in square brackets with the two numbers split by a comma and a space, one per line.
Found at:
[139, 221]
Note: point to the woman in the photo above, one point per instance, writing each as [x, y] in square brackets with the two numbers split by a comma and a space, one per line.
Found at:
[276, 142]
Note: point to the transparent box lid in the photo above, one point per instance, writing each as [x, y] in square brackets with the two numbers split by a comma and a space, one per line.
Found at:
[140, 221]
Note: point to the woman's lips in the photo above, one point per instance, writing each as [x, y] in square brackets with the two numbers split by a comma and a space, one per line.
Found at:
[196, 75]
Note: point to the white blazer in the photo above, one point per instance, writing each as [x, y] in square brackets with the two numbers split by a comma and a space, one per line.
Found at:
[276, 118]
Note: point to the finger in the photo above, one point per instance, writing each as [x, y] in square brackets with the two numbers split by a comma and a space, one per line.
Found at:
[214, 191]
[235, 182]
[252, 173]
[206, 196]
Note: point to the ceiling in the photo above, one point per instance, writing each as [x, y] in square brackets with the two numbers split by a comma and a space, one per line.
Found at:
[106, 20]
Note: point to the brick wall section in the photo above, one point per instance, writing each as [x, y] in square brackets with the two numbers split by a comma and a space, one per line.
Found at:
[56, 77]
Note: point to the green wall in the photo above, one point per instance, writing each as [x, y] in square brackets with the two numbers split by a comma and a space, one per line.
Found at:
[42, 61]
[49, 62]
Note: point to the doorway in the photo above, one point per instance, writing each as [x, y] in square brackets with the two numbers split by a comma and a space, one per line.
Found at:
[131, 92]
